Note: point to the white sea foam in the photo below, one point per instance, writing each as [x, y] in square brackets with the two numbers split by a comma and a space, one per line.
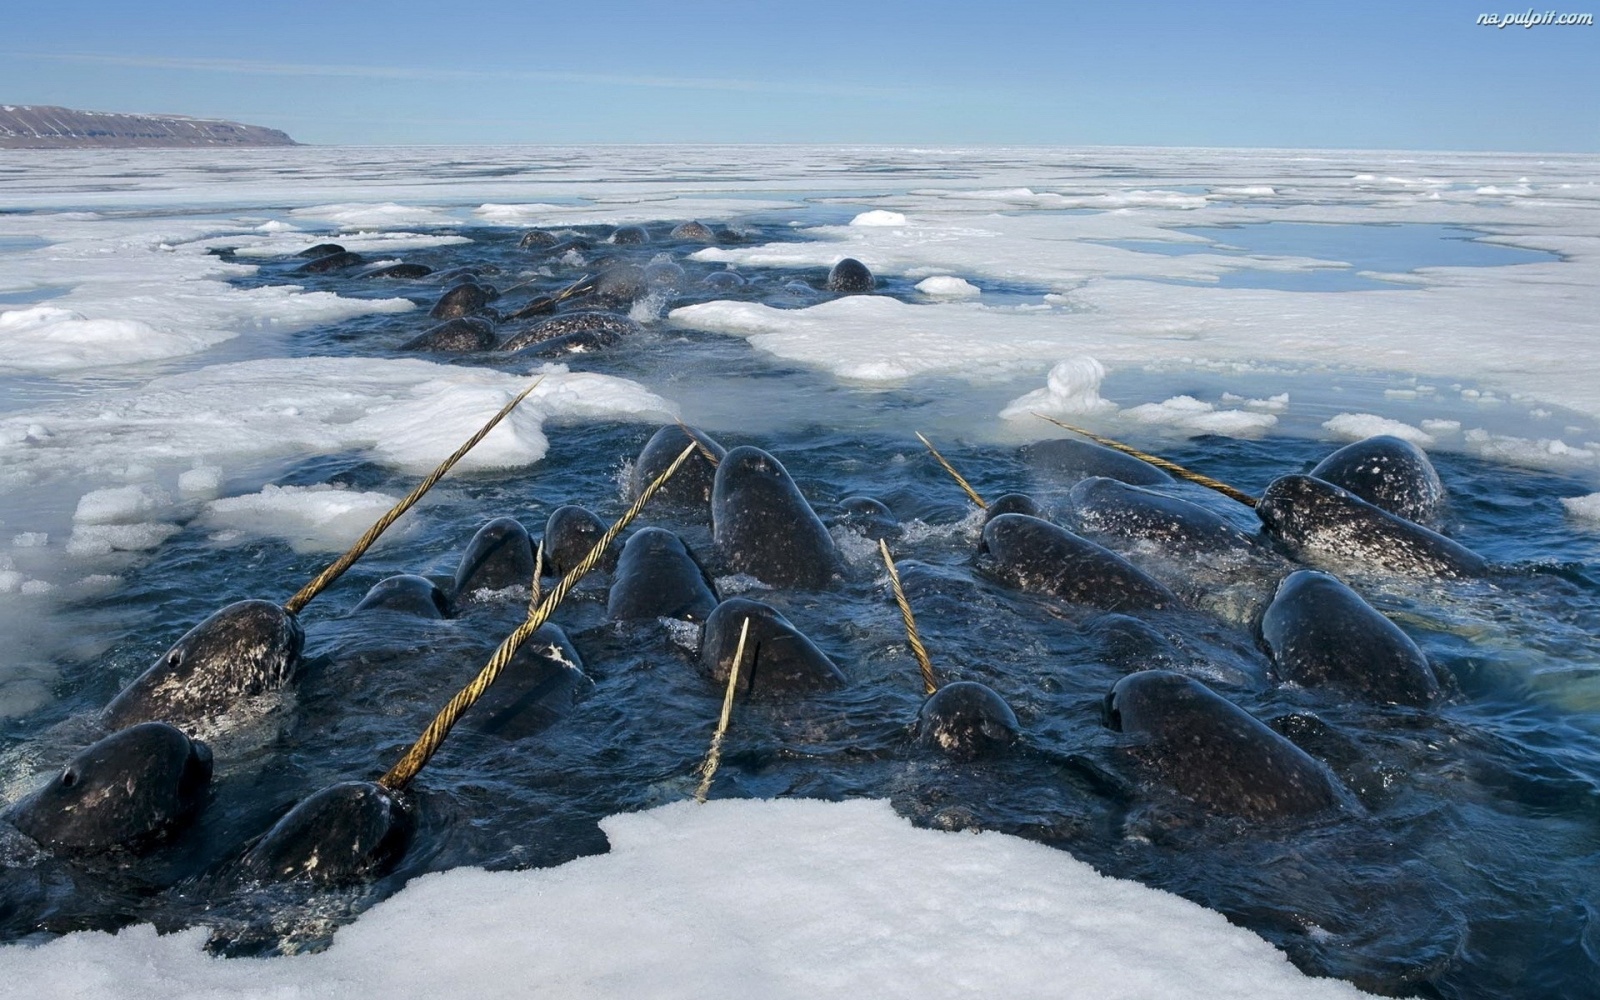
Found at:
[776, 899]
[1586, 508]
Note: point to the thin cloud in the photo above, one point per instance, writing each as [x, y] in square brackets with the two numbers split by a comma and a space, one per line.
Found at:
[254, 67]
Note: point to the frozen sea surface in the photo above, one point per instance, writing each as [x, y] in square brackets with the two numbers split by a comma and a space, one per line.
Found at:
[185, 421]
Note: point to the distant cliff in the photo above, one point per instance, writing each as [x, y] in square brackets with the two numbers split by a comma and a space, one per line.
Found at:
[40, 126]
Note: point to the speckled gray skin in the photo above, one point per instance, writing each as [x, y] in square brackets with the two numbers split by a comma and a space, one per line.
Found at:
[130, 790]
[462, 300]
[464, 333]
[1391, 473]
[763, 526]
[246, 649]
[658, 577]
[1109, 507]
[1332, 528]
[620, 285]
[1070, 460]
[1320, 633]
[694, 232]
[851, 277]
[966, 720]
[1208, 749]
[569, 533]
[500, 555]
[1034, 555]
[779, 660]
[690, 487]
[349, 832]
[592, 330]
[538, 239]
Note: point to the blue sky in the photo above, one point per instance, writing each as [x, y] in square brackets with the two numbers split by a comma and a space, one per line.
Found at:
[1357, 74]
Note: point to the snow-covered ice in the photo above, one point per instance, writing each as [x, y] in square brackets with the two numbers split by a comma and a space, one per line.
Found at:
[776, 899]
[309, 518]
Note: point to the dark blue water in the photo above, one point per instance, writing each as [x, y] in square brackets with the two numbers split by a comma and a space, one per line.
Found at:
[1469, 871]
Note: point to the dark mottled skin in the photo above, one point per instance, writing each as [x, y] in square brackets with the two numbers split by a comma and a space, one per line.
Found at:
[1209, 750]
[409, 593]
[1388, 472]
[537, 688]
[1072, 460]
[569, 533]
[659, 577]
[399, 271]
[778, 658]
[689, 488]
[869, 516]
[462, 300]
[340, 261]
[599, 329]
[464, 333]
[1113, 508]
[130, 790]
[1329, 527]
[500, 555]
[349, 832]
[664, 274]
[850, 277]
[629, 235]
[246, 649]
[966, 720]
[538, 239]
[763, 526]
[1012, 503]
[1034, 555]
[620, 285]
[1320, 633]
[693, 232]
[321, 250]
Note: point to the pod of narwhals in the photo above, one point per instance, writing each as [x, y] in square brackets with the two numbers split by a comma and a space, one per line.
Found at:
[1360, 511]
[472, 316]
